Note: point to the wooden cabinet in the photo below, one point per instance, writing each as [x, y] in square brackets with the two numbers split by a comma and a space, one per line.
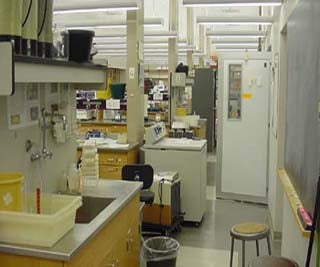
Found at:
[106, 128]
[113, 247]
[116, 245]
[111, 163]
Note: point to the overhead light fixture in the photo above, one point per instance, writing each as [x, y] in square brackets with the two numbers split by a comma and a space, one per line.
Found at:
[236, 50]
[160, 35]
[240, 20]
[243, 47]
[109, 6]
[148, 22]
[146, 46]
[147, 43]
[236, 44]
[236, 34]
[234, 40]
[232, 3]
[110, 37]
[155, 35]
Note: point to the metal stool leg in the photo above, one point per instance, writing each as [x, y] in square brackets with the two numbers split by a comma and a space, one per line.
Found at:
[269, 245]
[243, 253]
[257, 246]
[231, 252]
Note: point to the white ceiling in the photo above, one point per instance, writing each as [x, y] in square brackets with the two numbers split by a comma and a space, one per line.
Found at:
[152, 9]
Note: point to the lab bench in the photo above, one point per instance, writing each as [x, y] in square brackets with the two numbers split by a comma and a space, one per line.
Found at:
[110, 239]
[108, 126]
[112, 160]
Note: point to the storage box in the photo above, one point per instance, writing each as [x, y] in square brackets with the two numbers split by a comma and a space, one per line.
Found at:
[56, 219]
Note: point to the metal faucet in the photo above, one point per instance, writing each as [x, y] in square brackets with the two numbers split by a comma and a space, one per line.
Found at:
[45, 153]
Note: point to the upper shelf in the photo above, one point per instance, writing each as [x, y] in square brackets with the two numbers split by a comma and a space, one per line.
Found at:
[39, 70]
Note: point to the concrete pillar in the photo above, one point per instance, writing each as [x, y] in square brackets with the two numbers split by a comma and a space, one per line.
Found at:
[190, 36]
[173, 42]
[173, 49]
[135, 79]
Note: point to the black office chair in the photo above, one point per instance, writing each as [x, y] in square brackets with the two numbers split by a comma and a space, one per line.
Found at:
[140, 173]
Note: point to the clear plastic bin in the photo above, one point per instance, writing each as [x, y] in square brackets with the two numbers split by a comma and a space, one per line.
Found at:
[56, 219]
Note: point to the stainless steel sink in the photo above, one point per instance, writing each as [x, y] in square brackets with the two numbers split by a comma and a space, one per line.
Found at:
[91, 207]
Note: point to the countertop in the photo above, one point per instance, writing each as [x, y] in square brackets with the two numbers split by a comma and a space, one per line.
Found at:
[114, 148]
[81, 234]
[113, 122]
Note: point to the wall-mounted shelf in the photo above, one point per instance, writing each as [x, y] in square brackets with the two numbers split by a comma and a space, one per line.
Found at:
[38, 70]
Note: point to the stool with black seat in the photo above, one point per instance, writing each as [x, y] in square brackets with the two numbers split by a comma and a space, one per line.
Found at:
[140, 173]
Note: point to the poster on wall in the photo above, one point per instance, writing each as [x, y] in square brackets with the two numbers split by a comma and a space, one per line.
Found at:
[23, 108]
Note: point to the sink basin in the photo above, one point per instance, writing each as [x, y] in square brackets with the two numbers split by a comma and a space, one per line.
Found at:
[91, 207]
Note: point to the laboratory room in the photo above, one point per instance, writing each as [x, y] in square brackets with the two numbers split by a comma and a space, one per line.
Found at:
[159, 133]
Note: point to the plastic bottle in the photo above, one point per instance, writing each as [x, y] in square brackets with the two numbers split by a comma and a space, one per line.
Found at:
[73, 180]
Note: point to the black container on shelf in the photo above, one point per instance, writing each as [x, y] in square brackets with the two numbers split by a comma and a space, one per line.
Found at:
[10, 23]
[78, 44]
[45, 35]
[29, 26]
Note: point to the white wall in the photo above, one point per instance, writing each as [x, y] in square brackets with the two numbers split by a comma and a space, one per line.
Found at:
[14, 158]
[294, 245]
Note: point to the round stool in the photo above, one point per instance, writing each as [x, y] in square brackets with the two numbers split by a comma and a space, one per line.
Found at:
[267, 261]
[249, 232]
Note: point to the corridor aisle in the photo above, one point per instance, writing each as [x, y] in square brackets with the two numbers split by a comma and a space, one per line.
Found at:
[209, 244]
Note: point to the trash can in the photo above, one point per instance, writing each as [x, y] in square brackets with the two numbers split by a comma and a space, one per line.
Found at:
[160, 251]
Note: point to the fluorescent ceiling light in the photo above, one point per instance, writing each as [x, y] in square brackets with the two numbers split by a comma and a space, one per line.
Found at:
[147, 43]
[155, 35]
[236, 44]
[234, 40]
[109, 6]
[232, 3]
[236, 50]
[245, 47]
[236, 34]
[161, 35]
[146, 47]
[148, 22]
[240, 20]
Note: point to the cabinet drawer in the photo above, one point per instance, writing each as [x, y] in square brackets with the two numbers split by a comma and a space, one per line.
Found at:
[110, 172]
[117, 128]
[113, 159]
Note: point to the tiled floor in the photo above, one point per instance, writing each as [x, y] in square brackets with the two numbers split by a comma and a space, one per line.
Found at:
[210, 242]
[191, 256]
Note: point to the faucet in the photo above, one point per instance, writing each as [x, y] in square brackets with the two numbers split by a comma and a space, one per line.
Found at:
[45, 153]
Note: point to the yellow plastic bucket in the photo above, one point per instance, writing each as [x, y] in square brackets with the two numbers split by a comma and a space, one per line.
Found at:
[11, 188]
[180, 112]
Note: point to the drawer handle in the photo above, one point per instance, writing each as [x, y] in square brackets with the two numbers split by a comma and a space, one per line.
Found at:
[110, 160]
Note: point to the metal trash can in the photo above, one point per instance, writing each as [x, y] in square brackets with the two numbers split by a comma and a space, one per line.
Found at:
[160, 251]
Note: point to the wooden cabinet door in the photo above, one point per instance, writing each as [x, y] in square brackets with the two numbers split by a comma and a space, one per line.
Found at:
[133, 250]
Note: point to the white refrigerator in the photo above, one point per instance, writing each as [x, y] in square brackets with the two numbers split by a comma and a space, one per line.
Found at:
[188, 158]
